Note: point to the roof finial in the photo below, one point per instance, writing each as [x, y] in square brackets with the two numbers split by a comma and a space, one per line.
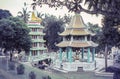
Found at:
[34, 18]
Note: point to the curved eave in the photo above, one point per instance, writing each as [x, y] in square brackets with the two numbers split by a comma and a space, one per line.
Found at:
[65, 33]
[38, 40]
[63, 44]
[38, 48]
[36, 26]
[92, 44]
[75, 32]
[36, 33]
[76, 44]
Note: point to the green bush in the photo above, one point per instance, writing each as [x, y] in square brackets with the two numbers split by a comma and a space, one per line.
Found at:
[11, 65]
[32, 75]
[20, 69]
[46, 77]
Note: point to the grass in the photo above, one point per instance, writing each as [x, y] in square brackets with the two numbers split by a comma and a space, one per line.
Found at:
[54, 74]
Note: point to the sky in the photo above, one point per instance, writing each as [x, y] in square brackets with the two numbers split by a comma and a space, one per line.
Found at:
[16, 5]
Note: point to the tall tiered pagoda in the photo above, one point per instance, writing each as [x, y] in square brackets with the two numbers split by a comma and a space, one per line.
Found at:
[36, 33]
[77, 46]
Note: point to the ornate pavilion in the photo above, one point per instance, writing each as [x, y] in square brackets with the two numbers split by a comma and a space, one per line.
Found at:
[36, 33]
[77, 49]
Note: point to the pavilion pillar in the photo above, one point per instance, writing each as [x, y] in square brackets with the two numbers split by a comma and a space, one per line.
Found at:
[88, 55]
[70, 55]
[38, 53]
[67, 53]
[93, 55]
[30, 55]
[85, 38]
[60, 54]
[82, 53]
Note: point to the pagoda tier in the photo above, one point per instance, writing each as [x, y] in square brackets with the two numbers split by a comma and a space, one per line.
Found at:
[77, 44]
[36, 33]
[76, 27]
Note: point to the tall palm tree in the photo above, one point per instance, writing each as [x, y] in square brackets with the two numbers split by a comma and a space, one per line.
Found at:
[24, 14]
[40, 15]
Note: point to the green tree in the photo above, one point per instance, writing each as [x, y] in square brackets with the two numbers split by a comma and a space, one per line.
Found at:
[4, 14]
[110, 36]
[105, 7]
[111, 11]
[94, 28]
[14, 35]
[66, 18]
[40, 15]
[53, 27]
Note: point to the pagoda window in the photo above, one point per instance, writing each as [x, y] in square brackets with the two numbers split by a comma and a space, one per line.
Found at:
[89, 38]
[40, 30]
[34, 52]
[40, 37]
[34, 29]
[68, 38]
[34, 44]
[41, 51]
[34, 36]
[79, 38]
[76, 37]
[40, 44]
[82, 38]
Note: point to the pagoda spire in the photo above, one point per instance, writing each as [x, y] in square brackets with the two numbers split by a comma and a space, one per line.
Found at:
[35, 18]
[77, 21]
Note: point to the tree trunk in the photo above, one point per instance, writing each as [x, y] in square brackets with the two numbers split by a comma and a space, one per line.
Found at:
[11, 55]
[105, 54]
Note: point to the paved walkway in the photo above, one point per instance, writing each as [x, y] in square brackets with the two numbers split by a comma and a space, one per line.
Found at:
[59, 75]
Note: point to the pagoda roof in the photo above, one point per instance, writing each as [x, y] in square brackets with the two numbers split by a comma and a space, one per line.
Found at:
[77, 22]
[76, 27]
[76, 32]
[77, 44]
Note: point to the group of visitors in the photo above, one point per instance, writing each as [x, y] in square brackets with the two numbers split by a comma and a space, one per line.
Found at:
[42, 64]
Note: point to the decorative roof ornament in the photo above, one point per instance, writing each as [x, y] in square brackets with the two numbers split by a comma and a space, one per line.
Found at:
[34, 18]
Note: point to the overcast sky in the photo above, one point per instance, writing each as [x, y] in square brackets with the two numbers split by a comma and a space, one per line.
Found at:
[16, 5]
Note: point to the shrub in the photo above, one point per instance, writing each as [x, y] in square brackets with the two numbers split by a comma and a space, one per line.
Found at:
[46, 77]
[20, 69]
[32, 75]
[11, 65]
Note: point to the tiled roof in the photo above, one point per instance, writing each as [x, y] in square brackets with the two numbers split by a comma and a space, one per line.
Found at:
[77, 44]
[76, 27]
